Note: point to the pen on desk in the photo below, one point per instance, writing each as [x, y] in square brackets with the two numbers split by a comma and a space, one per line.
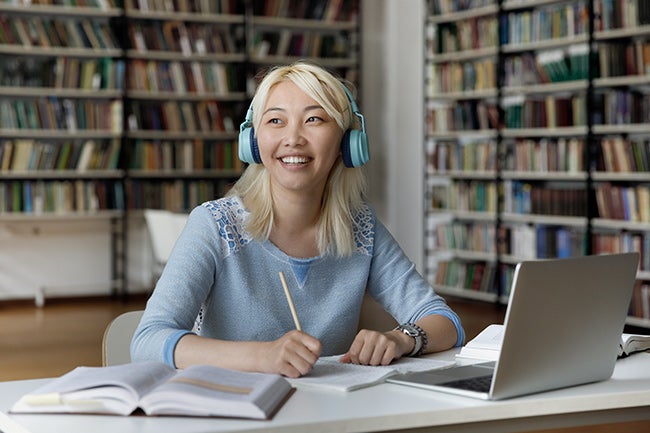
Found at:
[290, 301]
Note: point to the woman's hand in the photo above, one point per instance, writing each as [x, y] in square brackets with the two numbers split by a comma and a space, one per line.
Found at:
[377, 348]
[292, 355]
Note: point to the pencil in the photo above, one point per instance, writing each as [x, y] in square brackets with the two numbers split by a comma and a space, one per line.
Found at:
[290, 301]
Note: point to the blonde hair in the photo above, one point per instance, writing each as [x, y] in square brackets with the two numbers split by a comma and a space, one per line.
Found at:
[345, 187]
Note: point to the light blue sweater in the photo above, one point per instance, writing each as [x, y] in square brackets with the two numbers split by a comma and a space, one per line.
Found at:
[219, 282]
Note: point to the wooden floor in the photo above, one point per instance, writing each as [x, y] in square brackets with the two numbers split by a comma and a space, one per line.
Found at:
[49, 341]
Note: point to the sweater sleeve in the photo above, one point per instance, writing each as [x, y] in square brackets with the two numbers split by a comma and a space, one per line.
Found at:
[183, 287]
[395, 283]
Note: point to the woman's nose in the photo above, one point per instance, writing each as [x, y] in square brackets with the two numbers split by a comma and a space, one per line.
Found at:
[294, 136]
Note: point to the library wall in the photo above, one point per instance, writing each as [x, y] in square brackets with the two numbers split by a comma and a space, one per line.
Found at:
[43, 255]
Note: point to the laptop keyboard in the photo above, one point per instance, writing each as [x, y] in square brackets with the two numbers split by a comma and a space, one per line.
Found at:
[479, 384]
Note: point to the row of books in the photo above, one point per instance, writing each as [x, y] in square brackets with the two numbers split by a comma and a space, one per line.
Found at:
[61, 114]
[177, 195]
[473, 236]
[185, 116]
[468, 275]
[464, 115]
[21, 155]
[640, 305]
[551, 111]
[60, 196]
[180, 37]
[552, 21]
[533, 199]
[461, 76]
[463, 156]
[100, 4]
[619, 59]
[611, 107]
[546, 155]
[617, 14]
[325, 10]
[618, 154]
[183, 77]
[550, 66]
[286, 42]
[473, 196]
[623, 242]
[541, 241]
[628, 203]
[442, 7]
[621, 107]
[38, 31]
[463, 35]
[186, 6]
[185, 155]
[62, 73]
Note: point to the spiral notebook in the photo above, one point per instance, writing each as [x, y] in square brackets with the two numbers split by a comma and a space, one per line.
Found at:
[563, 327]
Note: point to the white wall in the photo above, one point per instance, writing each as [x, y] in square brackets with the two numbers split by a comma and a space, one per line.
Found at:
[392, 89]
[73, 259]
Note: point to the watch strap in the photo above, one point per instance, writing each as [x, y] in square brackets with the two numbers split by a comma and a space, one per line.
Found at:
[418, 334]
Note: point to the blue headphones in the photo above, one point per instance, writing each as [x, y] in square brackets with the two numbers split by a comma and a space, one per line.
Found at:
[354, 144]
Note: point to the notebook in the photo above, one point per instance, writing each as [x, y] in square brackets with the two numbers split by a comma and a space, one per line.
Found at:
[562, 328]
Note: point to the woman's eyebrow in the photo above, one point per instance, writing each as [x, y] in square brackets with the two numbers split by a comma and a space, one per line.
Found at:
[306, 109]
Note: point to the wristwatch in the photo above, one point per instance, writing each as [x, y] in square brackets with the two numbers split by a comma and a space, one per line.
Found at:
[418, 334]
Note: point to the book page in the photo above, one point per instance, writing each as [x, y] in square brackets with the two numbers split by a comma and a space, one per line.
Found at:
[329, 373]
[486, 345]
[114, 389]
[203, 390]
[631, 343]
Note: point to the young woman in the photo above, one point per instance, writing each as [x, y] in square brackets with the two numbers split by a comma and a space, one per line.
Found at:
[297, 209]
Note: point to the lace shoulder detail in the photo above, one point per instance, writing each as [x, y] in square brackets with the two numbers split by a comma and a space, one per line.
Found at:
[364, 229]
[230, 215]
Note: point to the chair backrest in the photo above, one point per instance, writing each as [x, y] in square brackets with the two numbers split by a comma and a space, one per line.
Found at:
[163, 227]
[373, 316]
[116, 344]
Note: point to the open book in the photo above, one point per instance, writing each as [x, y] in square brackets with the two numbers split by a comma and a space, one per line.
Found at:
[158, 389]
[330, 374]
[631, 343]
[487, 344]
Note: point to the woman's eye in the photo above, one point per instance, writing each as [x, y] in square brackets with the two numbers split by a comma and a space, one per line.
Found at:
[313, 119]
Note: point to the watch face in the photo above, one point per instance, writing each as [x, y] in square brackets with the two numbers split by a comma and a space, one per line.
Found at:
[409, 330]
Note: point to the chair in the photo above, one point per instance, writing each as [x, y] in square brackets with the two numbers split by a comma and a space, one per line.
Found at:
[116, 344]
[163, 227]
[373, 316]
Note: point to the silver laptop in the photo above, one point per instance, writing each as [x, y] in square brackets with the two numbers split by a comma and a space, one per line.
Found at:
[562, 328]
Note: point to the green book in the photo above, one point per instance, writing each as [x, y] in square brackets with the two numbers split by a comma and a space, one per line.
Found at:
[16, 194]
[64, 156]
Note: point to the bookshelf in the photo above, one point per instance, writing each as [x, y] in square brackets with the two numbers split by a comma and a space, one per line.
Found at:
[461, 139]
[324, 31]
[61, 123]
[185, 91]
[108, 107]
[549, 158]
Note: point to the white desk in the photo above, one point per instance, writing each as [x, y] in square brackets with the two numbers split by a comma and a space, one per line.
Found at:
[388, 407]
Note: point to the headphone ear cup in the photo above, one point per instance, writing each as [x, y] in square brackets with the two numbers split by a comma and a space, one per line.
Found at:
[354, 148]
[249, 152]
